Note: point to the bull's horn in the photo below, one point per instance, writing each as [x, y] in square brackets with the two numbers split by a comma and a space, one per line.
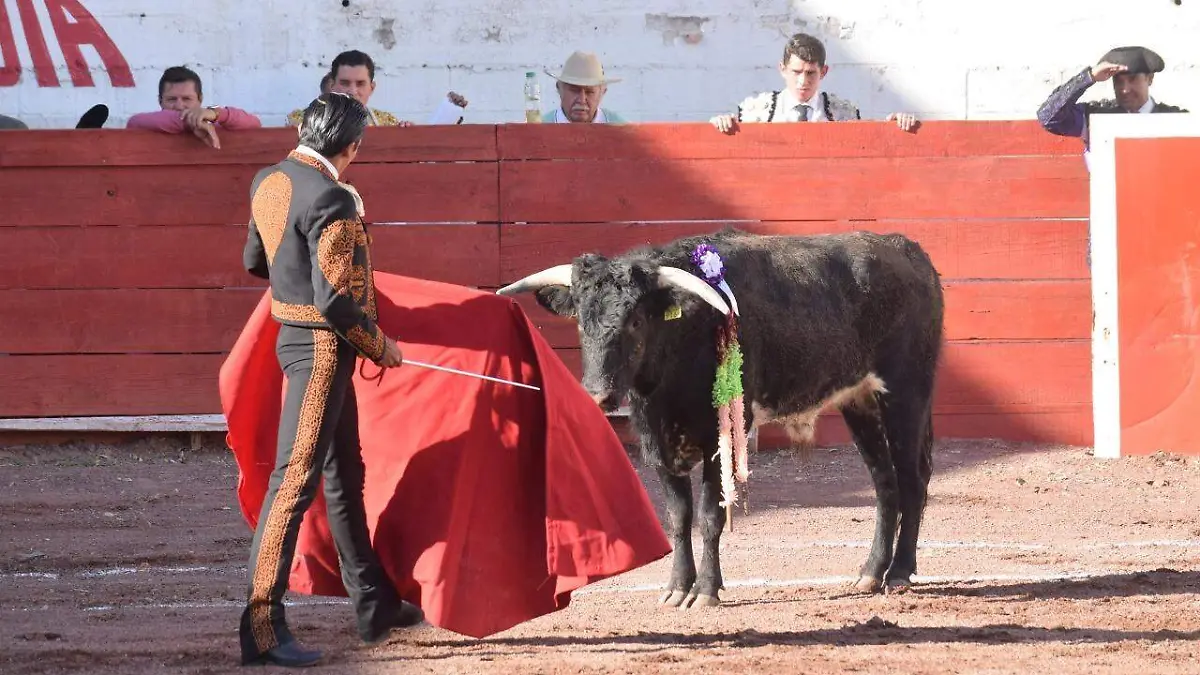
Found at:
[559, 275]
[673, 276]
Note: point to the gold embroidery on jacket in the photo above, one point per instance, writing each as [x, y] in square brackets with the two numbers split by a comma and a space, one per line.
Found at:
[371, 309]
[358, 283]
[385, 118]
[311, 161]
[335, 254]
[269, 207]
[369, 272]
[370, 344]
[290, 312]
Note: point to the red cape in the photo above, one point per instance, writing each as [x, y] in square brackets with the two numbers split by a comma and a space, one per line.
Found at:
[488, 503]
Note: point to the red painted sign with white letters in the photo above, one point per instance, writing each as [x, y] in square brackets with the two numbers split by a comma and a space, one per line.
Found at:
[73, 25]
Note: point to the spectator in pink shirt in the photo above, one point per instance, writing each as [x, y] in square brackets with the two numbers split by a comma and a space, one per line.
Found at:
[180, 95]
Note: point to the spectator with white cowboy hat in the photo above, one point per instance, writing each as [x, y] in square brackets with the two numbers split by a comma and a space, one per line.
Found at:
[581, 87]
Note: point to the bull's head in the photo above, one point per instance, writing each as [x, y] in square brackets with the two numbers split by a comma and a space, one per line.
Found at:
[618, 306]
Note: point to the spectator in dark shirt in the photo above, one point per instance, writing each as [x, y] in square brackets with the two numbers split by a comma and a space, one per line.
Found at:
[1131, 70]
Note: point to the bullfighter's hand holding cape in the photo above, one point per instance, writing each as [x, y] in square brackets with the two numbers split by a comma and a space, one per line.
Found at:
[488, 503]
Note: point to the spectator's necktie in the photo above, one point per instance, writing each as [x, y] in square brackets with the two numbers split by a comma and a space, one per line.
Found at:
[803, 108]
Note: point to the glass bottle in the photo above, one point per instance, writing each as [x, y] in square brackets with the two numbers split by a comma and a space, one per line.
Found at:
[533, 99]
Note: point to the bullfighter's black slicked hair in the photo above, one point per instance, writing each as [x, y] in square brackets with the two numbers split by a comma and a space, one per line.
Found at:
[332, 122]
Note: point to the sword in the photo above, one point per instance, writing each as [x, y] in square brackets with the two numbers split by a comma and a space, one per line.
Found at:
[468, 374]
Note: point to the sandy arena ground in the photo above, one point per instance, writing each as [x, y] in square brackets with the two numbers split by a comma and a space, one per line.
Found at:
[129, 558]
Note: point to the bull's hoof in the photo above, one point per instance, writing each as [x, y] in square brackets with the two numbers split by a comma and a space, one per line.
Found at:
[672, 598]
[898, 586]
[867, 584]
[694, 601]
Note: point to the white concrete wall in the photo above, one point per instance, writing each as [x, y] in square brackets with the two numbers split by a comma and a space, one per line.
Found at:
[680, 60]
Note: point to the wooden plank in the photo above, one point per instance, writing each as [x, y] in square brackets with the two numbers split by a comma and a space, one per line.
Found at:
[1018, 310]
[119, 384]
[993, 310]
[129, 320]
[987, 377]
[135, 424]
[135, 147]
[519, 142]
[986, 249]
[1069, 427]
[991, 377]
[210, 256]
[168, 195]
[794, 189]
[196, 195]
[149, 384]
[434, 193]
[478, 142]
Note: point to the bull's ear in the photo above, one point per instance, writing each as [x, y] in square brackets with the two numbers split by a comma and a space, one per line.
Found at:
[662, 301]
[672, 303]
[556, 299]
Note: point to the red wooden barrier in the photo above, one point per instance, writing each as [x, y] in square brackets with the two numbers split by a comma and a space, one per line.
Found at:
[121, 284]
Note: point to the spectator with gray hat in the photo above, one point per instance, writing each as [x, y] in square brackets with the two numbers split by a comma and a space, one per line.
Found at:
[1131, 70]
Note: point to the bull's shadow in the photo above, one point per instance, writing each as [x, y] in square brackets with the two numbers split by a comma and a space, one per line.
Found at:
[1160, 581]
[881, 632]
[867, 633]
[785, 479]
[858, 635]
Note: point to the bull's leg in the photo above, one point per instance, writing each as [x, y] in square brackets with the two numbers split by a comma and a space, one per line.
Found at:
[678, 493]
[909, 427]
[706, 591]
[865, 422]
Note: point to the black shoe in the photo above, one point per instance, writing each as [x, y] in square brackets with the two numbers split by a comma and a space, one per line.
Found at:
[289, 655]
[407, 614]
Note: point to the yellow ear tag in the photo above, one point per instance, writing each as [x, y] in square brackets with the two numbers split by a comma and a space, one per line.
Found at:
[673, 312]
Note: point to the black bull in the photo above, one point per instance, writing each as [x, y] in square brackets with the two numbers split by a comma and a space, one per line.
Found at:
[848, 321]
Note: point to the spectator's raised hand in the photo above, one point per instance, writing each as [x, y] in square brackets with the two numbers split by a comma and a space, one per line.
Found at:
[207, 132]
[724, 123]
[1104, 70]
[906, 121]
[194, 117]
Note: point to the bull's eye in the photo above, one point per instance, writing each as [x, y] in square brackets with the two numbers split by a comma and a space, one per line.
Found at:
[635, 324]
